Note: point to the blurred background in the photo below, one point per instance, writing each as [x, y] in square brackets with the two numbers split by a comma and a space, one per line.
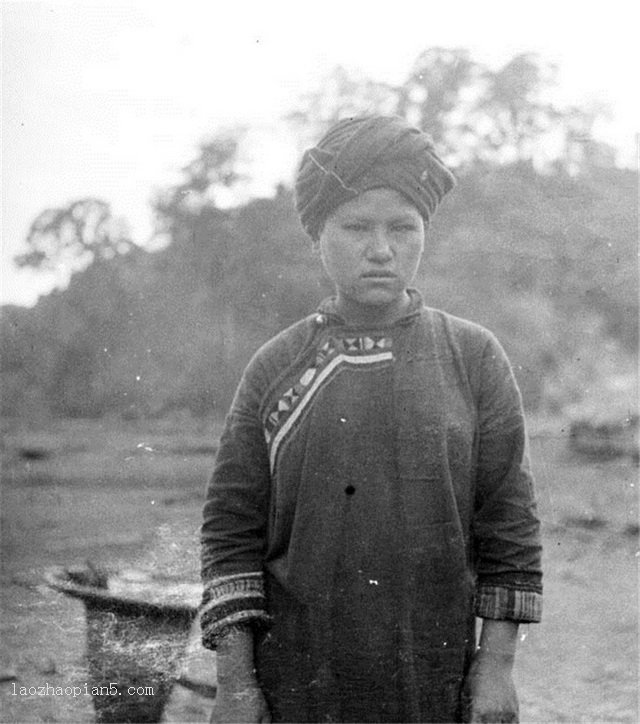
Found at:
[150, 245]
[149, 238]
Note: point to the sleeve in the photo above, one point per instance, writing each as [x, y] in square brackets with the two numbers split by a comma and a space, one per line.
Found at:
[506, 528]
[234, 519]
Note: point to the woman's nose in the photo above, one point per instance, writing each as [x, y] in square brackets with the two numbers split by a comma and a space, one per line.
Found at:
[379, 247]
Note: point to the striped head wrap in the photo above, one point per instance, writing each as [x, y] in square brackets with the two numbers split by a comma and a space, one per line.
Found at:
[364, 153]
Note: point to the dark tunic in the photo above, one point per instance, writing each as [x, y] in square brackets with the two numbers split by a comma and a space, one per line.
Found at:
[371, 496]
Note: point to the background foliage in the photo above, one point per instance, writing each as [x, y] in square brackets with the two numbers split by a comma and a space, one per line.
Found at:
[537, 243]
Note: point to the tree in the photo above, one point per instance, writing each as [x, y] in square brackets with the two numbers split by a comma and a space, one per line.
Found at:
[436, 93]
[515, 107]
[341, 94]
[513, 119]
[213, 168]
[74, 235]
[581, 152]
[475, 115]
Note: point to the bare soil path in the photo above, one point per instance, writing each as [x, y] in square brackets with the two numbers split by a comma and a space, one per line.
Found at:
[122, 496]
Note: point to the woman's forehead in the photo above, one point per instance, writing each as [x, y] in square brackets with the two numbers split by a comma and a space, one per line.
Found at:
[381, 202]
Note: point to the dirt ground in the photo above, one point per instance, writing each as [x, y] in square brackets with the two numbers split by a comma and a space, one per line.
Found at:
[128, 498]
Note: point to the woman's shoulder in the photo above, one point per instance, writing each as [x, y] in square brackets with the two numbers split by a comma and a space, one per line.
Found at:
[475, 347]
[458, 329]
[291, 340]
[281, 351]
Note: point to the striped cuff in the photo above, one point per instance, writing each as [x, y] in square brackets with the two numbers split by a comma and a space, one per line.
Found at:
[230, 601]
[509, 604]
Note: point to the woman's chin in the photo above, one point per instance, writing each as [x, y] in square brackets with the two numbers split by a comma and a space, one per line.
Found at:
[384, 295]
[375, 304]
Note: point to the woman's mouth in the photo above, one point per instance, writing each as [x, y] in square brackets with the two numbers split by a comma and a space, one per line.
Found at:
[378, 274]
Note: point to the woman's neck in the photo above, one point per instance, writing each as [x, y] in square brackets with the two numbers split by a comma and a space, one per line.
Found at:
[356, 314]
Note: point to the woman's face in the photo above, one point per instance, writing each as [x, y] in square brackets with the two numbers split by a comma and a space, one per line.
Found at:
[371, 247]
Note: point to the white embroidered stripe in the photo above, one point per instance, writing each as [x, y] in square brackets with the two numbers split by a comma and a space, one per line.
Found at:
[232, 618]
[231, 577]
[230, 597]
[349, 359]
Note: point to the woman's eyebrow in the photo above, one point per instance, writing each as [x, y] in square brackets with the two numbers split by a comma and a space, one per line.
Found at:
[404, 217]
[355, 216]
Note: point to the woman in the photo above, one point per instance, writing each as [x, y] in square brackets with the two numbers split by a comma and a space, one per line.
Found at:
[371, 493]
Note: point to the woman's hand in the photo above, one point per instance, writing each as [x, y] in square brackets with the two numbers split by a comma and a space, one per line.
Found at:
[244, 705]
[489, 689]
[239, 697]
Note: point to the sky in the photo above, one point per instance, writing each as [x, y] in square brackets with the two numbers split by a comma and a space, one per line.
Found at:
[112, 100]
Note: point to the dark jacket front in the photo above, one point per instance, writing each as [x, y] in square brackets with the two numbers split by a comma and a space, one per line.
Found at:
[371, 495]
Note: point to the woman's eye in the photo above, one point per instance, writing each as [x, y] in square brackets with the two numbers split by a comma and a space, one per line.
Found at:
[403, 228]
[362, 227]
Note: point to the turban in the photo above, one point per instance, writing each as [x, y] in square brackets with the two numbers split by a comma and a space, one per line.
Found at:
[364, 153]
